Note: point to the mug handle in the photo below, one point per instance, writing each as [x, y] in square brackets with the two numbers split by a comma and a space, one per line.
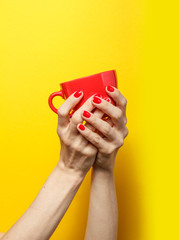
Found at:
[59, 93]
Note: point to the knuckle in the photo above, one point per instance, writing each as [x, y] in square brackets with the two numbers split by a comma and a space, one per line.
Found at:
[106, 129]
[75, 119]
[125, 120]
[126, 132]
[90, 126]
[85, 153]
[96, 140]
[64, 137]
[61, 112]
[109, 149]
[124, 101]
[92, 120]
[58, 131]
[77, 148]
[89, 152]
[121, 142]
[66, 142]
[118, 115]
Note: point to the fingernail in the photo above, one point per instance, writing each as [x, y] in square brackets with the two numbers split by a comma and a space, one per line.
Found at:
[78, 94]
[82, 127]
[107, 99]
[110, 89]
[98, 95]
[86, 114]
[96, 100]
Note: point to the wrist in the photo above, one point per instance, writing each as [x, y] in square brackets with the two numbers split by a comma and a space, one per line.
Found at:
[100, 172]
[101, 177]
[103, 170]
[72, 173]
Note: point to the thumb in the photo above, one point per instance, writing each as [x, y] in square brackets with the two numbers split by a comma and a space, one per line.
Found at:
[65, 109]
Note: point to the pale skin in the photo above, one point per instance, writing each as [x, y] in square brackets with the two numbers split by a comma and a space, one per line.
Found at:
[96, 147]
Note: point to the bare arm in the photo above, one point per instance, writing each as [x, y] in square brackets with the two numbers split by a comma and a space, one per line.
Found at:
[77, 156]
[45, 213]
[103, 212]
[108, 136]
[1, 234]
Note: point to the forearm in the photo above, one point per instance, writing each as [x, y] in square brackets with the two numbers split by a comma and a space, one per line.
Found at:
[1, 235]
[103, 211]
[44, 214]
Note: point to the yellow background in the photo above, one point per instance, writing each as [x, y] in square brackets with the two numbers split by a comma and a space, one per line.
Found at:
[45, 42]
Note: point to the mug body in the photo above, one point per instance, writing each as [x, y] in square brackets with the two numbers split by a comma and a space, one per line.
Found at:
[90, 85]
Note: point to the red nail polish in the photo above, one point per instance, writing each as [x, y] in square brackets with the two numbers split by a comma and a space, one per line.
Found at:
[86, 114]
[110, 89]
[82, 127]
[96, 100]
[78, 94]
[107, 99]
[98, 95]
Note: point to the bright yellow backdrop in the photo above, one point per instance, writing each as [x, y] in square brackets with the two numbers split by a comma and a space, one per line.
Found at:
[43, 43]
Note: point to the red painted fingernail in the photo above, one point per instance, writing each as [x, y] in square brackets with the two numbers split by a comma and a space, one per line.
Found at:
[96, 100]
[110, 89]
[107, 99]
[78, 94]
[82, 127]
[86, 114]
[98, 95]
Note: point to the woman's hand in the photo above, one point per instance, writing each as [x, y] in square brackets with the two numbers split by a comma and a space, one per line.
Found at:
[77, 154]
[112, 131]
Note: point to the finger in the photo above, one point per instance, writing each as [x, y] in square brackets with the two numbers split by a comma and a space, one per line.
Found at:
[99, 124]
[92, 137]
[67, 106]
[98, 113]
[114, 112]
[76, 118]
[108, 120]
[117, 96]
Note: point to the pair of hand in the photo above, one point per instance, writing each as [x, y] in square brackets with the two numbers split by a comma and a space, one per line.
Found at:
[97, 142]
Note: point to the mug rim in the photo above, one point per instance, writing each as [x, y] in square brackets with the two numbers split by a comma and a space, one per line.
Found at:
[113, 70]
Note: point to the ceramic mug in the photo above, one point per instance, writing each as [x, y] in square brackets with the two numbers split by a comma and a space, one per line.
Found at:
[90, 85]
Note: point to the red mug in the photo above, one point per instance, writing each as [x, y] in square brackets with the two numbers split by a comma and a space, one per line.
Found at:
[90, 85]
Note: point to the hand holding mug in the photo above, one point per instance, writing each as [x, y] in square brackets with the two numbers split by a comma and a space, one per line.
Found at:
[112, 131]
[77, 155]
[102, 137]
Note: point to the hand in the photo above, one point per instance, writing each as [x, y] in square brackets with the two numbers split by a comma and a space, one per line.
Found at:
[77, 154]
[112, 131]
